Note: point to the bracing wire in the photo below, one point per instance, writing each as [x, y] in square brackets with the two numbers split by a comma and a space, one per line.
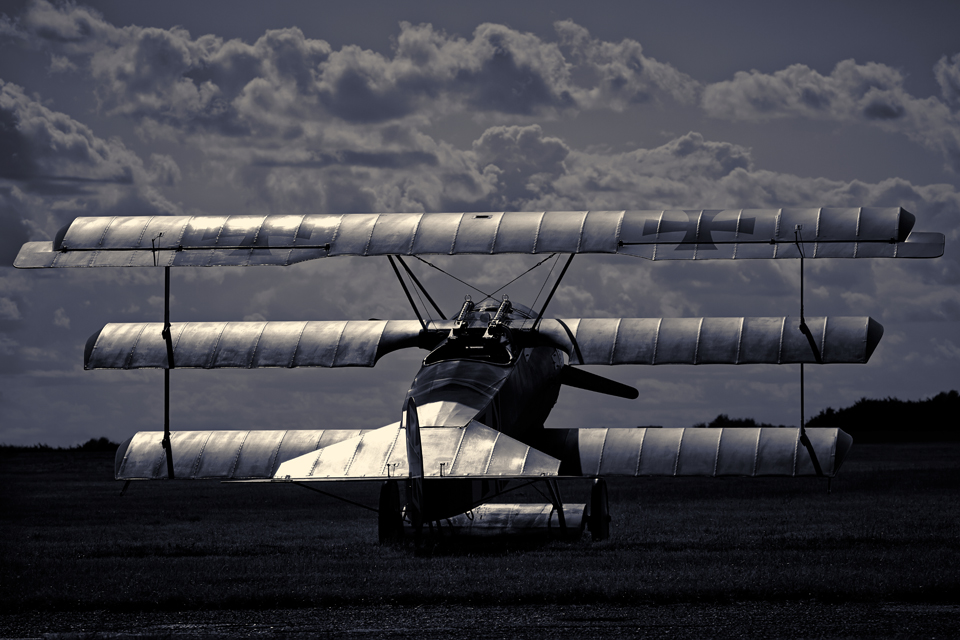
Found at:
[490, 295]
[545, 280]
[453, 276]
[525, 273]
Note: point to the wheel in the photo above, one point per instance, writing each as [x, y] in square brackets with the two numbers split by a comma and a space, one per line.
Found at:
[389, 514]
[599, 519]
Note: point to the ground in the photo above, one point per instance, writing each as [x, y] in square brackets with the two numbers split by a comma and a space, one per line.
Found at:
[877, 557]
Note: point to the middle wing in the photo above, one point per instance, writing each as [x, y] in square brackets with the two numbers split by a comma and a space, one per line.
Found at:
[608, 341]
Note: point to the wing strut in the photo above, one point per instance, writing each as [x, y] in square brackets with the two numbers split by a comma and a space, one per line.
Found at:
[420, 286]
[407, 291]
[166, 372]
[805, 330]
[411, 424]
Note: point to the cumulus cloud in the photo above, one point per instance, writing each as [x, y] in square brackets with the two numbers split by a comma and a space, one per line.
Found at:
[61, 319]
[621, 74]
[9, 309]
[866, 93]
[947, 73]
[53, 168]
[284, 78]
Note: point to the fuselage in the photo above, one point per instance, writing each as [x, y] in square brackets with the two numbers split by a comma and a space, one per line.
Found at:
[493, 379]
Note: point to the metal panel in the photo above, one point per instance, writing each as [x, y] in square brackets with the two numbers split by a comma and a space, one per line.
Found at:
[187, 448]
[515, 519]
[560, 231]
[636, 340]
[318, 344]
[472, 451]
[393, 234]
[737, 452]
[591, 443]
[719, 341]
[661, 448]
[599, 233]
[621, 450]
[353, 236]
[246, 345]
[85, 233]
[279, 231]
[203, 231]
[277, 344]
[257, 454]
[655, 235]
[237, 345]
[477, 233]
[709, 452]
[777, 452]
[475, 452]
[760, 340]
[678, 341]
[219, 454]
[359, 344]
[141, 457]
[150, 351]
[711, 340]
[698, 452]
[296, 444]
[113, 350]
[597, 338]
[436, 233]
[518, 232]
[220, 460]
[317, 230]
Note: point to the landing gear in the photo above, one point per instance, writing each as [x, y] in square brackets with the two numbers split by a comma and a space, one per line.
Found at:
[390, 514]
[599, 519]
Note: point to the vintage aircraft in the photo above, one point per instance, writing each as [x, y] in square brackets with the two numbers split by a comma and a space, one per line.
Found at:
[473, 419]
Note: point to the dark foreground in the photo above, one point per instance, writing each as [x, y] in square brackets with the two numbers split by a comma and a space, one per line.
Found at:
[880, 557]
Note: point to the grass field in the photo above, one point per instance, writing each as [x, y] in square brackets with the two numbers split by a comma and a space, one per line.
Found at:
[889, 532]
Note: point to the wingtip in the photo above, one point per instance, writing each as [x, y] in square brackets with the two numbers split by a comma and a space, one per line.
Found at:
[874, 333]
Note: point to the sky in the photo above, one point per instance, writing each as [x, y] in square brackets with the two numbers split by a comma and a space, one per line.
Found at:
[186, 108]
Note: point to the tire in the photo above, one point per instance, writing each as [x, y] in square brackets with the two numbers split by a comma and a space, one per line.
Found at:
[390, 515]
[599, 519]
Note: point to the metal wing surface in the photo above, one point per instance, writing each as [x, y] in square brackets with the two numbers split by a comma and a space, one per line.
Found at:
[228, 455]
[207, 241]
[249, 345]
[712, 340]
[471, 451]
[606, 341]
[709, 452]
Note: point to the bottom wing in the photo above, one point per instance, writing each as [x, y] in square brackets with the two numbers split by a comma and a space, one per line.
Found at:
[473, 451]
[768, 451]
[228, 455]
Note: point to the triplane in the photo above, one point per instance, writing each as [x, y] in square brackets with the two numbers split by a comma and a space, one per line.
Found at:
[472, 423]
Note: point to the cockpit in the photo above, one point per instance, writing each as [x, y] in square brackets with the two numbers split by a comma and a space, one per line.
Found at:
[483, 349]
[479, 338]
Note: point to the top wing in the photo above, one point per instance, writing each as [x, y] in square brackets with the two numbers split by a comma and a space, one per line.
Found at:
[206, 241]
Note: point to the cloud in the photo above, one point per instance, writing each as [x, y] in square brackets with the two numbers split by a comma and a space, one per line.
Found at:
[947, 73]
[525, 161]
[55, 168]
[621, 74]
[61, 319]
[9, 310]
[284, 78]
[871, 94]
